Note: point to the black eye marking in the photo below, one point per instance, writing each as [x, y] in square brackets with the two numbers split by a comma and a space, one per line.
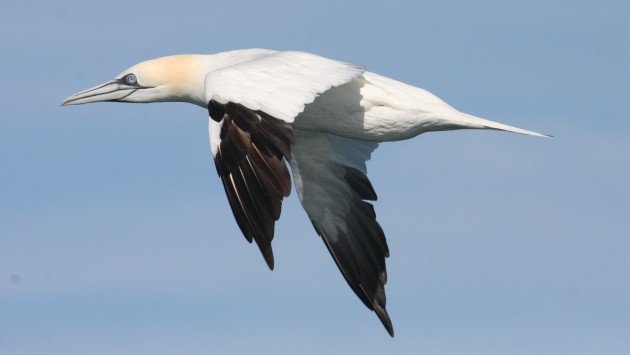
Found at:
[130, 79]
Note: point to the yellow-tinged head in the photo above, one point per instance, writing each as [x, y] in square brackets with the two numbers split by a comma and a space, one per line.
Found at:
[178, 78]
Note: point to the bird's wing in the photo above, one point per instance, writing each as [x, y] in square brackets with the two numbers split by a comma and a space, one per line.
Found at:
[251, 105]
[279, 84]
[331, 181]
[249, 156]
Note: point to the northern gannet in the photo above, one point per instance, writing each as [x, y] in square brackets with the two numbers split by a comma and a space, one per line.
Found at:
[324, 117]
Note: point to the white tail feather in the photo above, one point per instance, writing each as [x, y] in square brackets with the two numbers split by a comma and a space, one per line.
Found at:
[481, 123]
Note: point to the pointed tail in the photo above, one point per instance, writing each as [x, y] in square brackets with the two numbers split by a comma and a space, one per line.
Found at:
[481, 123]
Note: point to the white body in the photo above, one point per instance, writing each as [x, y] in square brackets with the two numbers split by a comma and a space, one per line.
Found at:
[369, 107]
[323, 116]
[373, 107]
[315, 92]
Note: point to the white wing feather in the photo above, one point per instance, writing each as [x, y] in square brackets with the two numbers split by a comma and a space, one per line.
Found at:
[330, 178]
[280, 84]
[329, 170]
[317, 164]
[214, 130]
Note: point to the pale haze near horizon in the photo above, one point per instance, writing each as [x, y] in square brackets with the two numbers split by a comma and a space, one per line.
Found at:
[116, 236]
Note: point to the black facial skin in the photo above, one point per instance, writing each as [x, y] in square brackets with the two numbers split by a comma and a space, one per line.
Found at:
[129, 79]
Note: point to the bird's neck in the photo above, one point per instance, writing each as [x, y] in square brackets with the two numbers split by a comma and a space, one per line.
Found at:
[184, 77]
[187, 82]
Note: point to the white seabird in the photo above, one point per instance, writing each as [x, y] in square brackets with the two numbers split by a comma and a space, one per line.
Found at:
[323, 116]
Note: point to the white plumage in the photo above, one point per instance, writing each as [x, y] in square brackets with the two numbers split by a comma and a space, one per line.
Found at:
[323, 116]
[278, 83]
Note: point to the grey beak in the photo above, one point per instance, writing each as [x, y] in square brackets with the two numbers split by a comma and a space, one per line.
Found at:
[110, 91]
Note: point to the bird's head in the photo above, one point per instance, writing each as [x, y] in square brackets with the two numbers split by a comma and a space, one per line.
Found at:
[178, 78]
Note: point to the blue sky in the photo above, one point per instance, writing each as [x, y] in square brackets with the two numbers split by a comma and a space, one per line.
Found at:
[115, 235]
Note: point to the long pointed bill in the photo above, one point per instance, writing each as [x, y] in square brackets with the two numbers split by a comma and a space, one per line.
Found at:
[110, 91]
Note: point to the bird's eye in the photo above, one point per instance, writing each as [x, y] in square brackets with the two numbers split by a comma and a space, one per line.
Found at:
[131, 79]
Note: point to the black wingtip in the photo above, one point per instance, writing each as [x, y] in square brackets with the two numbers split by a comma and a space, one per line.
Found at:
[269, 260]
[384, 317]
[267, 253]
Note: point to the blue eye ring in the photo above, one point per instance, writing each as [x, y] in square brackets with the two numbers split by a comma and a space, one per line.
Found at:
[130, 79]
